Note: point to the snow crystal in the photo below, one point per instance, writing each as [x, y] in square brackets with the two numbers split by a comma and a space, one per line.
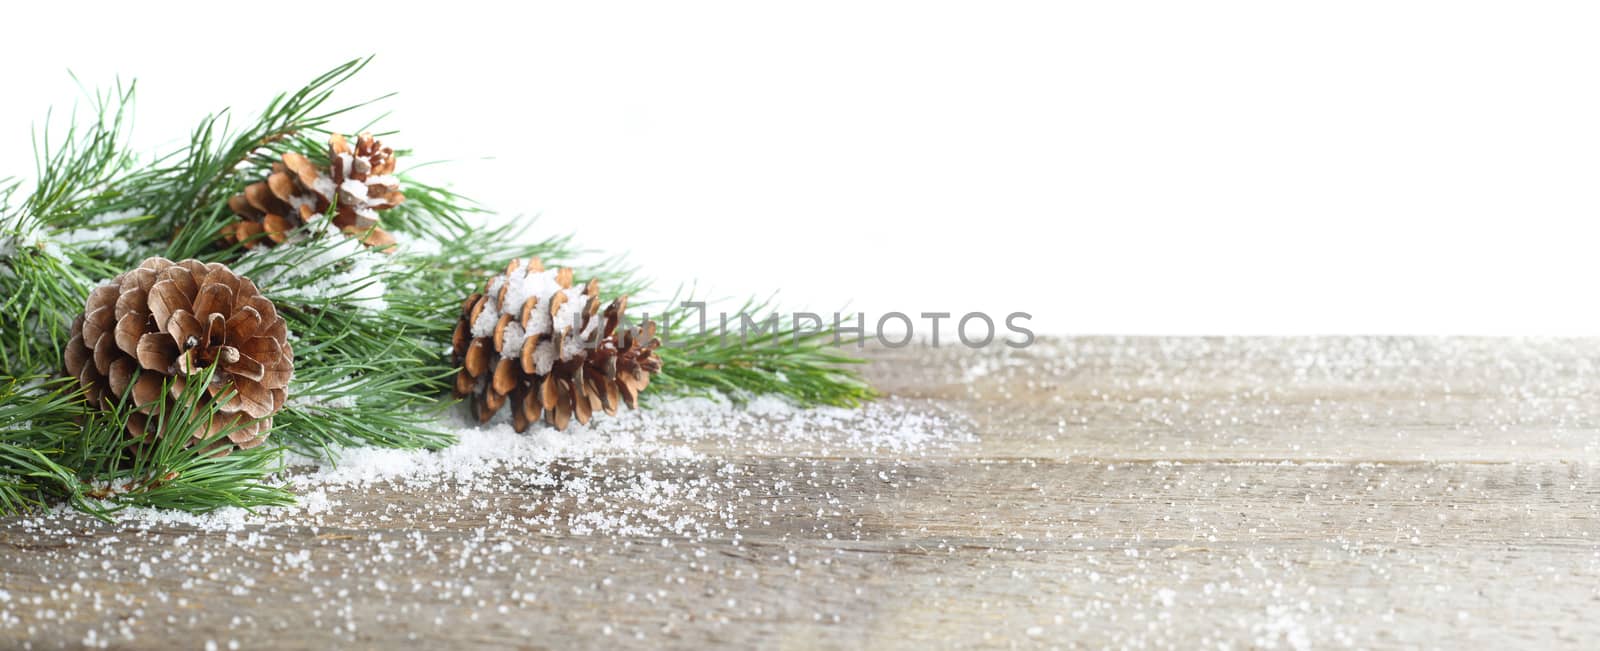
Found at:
[324, 184]
[353, 188]
[984, 366]
[52, 249]
[539, 285]
[588, 331]
[520, 285]
[298, 201]
[567, 320]
[314, 402]
[418, 246]
[514, 338]
[571, 347]
[487, 319]
[366, 213]
[538, 321]
[544, 357]
[478, 454]
[228, 519]
[544, 286]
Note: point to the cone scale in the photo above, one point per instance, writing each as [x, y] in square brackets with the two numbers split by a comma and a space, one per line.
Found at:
[166, 322]
[358, 183]
[533, 342]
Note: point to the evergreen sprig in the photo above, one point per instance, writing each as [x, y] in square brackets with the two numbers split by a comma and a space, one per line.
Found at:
[740, 360]
[97, 468]
[370, 329]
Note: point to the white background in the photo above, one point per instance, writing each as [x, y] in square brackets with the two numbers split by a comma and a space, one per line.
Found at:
[1128, 167]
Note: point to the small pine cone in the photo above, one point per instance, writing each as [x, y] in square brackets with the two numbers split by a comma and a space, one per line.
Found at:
[361, 178]
[364, 176]
[534, 339]
[164, 322]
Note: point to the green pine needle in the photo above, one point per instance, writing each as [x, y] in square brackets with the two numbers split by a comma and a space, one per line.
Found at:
[370, 330]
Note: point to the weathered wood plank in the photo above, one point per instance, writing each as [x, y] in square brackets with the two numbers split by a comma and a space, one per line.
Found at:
[1140, 524]
[975, 552]
[1328, 399]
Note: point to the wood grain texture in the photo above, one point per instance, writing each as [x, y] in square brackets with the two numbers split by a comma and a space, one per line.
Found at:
[1121, 492]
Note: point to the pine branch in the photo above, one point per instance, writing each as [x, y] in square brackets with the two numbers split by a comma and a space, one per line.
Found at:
[40, 292]
[370, 330]
[219, 161]
[74, 177]
[99, 469]
[801, 365]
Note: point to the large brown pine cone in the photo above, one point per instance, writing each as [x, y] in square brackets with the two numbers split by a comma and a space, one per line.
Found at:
[361, 178]
[533, 339]
[165, 322]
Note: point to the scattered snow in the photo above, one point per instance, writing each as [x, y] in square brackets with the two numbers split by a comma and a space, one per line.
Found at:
[515, 336]
[544, 357]
[672, 429]
[97, 234]
[287, 271]
[484, 325]
[491, 457]
[101, 233]
[231, 519]
[985, 365]
[519, 286]
[324, 185]
[417, 246]
[489, 508]
[342, 401]
[9, 245]
[567, 319]
[353, 187]
[701, 518]
[52, 248]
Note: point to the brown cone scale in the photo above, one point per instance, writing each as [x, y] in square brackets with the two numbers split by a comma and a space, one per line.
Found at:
[359, 179]
[609, 370]
[160, 324]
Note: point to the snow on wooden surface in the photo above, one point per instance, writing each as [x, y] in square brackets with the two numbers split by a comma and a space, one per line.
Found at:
[1147, 493]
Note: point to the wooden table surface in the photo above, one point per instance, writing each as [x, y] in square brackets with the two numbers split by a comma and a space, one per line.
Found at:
[1090, 492]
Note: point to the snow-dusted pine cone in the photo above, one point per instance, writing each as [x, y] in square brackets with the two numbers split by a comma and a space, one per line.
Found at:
[361, 178]
[165, 322]
[531, 337]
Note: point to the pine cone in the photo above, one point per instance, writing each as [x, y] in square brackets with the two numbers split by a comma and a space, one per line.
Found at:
[360, 178]
[533, 338]
[166, 321]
